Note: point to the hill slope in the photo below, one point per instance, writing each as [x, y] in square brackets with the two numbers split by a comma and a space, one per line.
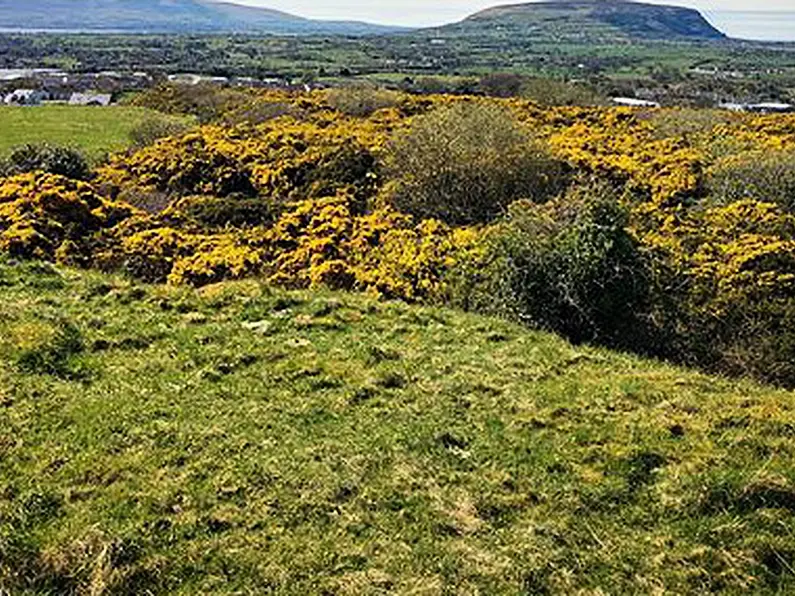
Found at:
[168, 16]
[243, 439]
[586, 20]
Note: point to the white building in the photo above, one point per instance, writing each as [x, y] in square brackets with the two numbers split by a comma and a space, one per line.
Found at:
[25, 97]
[90, 99]
[187, 78]
[771, 107]
[633, 102]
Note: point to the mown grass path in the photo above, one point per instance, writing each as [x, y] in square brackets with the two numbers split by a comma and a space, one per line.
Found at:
[241, 439]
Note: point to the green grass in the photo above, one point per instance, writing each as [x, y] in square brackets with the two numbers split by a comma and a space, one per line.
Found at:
[94, 130]
[245, 440]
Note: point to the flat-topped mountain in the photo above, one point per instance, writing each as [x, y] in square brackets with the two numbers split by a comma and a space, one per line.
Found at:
[165, 16]
[589, 19]
[561, 20]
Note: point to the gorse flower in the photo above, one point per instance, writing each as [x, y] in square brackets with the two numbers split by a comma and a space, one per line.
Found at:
[302, 189]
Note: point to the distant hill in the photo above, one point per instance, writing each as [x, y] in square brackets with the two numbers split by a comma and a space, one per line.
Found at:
[166, 16]
[555, 20]
[588, 20]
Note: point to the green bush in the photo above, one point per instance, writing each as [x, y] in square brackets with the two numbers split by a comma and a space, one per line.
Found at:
[206, 101]
[550, 92]
[501, 84]
[757, 340]
[569, 266]
[465, 164]
[52, 159]
[361, 100]
[768, 177]
[150, 130]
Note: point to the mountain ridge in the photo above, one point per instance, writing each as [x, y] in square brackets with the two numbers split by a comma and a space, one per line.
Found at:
[169, 16]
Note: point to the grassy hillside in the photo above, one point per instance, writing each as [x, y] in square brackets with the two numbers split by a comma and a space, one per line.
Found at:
[96, 131]
[241, 439]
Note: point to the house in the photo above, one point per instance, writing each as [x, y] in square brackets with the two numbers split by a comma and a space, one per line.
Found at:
[760, 108]
[733, 106]
[90, 99]
[634, 103]
[771, 108]
[187, 78]
[25, 97]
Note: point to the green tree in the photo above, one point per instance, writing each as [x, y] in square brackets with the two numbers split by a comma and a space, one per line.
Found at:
[465, 164]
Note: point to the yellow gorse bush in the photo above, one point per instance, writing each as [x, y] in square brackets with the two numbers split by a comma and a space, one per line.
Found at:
[43, 214]
[731, 255]
[319, 171]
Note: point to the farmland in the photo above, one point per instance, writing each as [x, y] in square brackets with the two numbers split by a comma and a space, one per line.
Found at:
[95, 131]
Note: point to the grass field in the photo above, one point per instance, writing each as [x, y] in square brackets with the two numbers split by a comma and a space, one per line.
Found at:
[94, 130]
[242, 440]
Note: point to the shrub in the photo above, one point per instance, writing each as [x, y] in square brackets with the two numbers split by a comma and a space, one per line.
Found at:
[361, 100]
[206, 101]
[52, 159]
[765, 176]
[725, 282]
[549, 92]
[149, 254]
[501, 84]
[43, 216]
[217, 258]
[569, 266]
[410, 262]
[150, 130]
[259, 110]
[464, 164]
[687, 122]
[196, 163]
[758, 340]
[146, 199]
[286, 159]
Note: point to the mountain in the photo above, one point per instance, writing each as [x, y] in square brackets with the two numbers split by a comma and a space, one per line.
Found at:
[556, 20]
[588, 20]
[166, 16]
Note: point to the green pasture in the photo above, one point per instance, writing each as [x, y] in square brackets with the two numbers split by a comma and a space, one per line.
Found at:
[94, 130]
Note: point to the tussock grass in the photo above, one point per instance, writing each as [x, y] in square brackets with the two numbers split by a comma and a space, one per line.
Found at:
[240, 439]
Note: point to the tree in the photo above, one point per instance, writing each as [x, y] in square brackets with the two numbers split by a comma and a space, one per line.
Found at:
[465, 164]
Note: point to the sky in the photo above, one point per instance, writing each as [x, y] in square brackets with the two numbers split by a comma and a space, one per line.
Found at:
[725, 14]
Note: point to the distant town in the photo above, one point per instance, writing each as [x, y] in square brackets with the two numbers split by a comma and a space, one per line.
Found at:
[36, 86]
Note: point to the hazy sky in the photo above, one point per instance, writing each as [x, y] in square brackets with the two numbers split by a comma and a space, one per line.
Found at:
[432, 12]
